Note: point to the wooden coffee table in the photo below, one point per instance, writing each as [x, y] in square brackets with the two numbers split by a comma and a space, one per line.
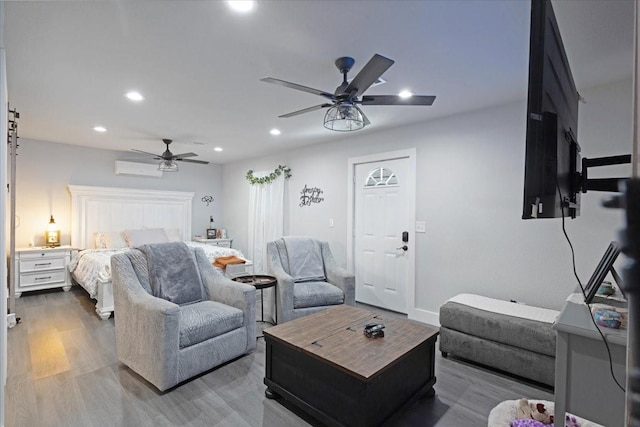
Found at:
[323, 364]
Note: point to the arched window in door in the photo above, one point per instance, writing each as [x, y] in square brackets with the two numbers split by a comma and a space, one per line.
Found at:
[381, 177]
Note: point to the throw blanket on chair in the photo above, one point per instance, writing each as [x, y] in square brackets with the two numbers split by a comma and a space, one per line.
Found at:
[173, 272]
[305, 259]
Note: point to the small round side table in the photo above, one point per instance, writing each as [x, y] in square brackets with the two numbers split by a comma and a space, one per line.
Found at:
[260, 282]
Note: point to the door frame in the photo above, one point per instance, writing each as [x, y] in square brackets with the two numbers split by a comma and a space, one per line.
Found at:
[410, 181]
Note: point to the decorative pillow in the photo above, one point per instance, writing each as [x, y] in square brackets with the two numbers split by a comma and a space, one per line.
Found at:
[108, 240]
[173, 234]
[135, 238]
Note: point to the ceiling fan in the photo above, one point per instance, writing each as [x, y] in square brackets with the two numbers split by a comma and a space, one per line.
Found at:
[344, 114]
[168, 159]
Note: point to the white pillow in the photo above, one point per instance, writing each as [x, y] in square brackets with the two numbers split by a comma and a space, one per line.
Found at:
[108, 240]
[173, 234]
[136, 238]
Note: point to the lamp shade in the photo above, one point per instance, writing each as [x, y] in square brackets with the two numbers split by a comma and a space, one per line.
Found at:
[343, 118]
[168, 166]
[52, 235]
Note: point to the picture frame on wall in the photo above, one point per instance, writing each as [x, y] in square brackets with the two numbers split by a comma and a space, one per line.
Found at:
[211, 233]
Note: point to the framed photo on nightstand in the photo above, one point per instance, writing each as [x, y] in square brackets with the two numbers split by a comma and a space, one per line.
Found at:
[211, 233]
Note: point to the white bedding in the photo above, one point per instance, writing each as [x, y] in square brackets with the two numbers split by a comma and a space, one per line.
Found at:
[507, 308]
[92, 265]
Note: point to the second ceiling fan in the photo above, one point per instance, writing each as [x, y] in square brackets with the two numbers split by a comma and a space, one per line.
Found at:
[344, 113]
[168, 159]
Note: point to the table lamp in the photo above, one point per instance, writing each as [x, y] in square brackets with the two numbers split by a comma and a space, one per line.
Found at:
[52, 235]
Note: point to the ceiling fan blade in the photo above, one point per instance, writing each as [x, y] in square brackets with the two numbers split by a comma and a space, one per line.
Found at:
[298, 87]
[202, 162]
[375, 68]
[306, 110]
[184, 155]
[146, 152]
[396, 100]
[364, 116]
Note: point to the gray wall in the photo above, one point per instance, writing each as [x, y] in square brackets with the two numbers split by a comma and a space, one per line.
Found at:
[470, 170]
[44, 169]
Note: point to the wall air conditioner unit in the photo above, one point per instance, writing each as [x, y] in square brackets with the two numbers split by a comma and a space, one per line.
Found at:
[138, 169]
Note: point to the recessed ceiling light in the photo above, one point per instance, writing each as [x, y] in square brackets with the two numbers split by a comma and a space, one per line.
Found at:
[405, 94]
[275, 131]
[100, 128]
[243, 6]
[134, 96]
[217, 149]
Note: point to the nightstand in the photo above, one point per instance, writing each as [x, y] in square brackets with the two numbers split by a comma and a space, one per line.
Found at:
[42, 268]
[223, 243]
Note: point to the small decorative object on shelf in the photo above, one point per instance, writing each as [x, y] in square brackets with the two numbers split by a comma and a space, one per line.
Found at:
[212, 233]
[269, 178]
[52, 235]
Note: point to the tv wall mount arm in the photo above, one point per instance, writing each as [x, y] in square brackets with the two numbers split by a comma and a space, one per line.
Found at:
[582, 181]
[602, 184]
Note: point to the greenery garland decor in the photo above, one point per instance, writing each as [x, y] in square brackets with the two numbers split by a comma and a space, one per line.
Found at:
[269, 178]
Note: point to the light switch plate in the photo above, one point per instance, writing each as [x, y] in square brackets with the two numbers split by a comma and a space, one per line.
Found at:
[421, 227]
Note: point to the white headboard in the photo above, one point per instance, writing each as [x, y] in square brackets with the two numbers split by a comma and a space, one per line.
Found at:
[102, 209]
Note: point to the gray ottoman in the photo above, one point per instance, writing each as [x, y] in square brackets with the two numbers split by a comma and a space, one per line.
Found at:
[479, 331]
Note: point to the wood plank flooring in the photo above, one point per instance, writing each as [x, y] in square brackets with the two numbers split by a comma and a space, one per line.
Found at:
[63, 371]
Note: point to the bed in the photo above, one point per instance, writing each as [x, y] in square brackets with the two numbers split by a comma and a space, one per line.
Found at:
[101, 218]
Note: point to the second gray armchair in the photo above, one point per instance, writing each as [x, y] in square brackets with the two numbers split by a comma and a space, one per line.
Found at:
[309, 279]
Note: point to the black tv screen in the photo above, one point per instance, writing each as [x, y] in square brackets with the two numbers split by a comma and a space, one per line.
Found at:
[552, 157]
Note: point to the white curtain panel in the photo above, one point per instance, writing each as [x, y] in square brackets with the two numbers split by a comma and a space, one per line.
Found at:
[266, 218]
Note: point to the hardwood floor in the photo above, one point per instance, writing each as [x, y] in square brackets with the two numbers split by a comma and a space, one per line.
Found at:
[63, 371]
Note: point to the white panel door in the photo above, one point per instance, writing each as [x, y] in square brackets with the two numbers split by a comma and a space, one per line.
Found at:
[381, 216]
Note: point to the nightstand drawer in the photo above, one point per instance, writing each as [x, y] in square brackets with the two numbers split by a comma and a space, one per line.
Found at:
[41, 254]
[42, 278]
[41, 264]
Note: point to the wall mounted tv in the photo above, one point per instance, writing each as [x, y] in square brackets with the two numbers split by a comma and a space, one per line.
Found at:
[552, 151]
[554, 174]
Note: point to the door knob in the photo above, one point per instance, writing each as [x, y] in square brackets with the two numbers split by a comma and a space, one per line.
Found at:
[404, 248]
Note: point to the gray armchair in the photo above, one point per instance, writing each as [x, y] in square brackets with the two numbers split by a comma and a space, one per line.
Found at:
[176, 315]
[309, 279]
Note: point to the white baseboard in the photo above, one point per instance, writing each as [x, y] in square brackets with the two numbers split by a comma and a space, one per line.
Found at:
[11, 320]
[425, 316]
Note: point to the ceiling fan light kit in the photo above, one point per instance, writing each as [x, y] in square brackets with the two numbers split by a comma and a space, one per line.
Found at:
[344, 115]
[168, 166]
[343, 118]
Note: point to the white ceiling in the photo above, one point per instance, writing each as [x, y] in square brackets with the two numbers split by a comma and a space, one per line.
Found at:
[198, 64]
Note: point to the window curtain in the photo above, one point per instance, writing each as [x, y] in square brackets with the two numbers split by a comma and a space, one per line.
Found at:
[266, 218]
